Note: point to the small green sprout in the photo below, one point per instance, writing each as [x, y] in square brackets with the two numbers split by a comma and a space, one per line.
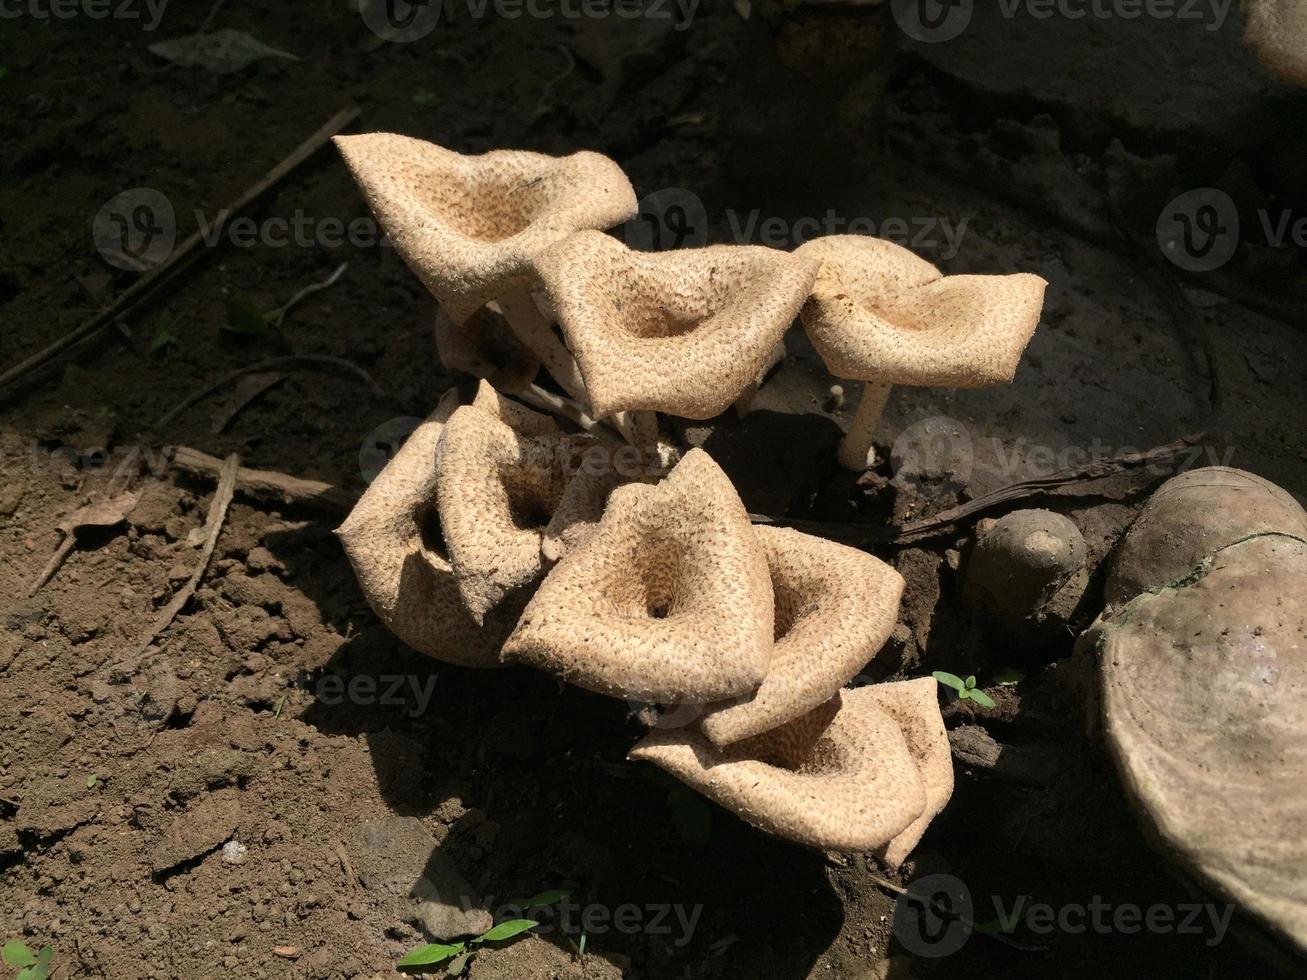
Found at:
[32, 966]
[92, 781]
[967, 690]
[163, 338]
[458, 954]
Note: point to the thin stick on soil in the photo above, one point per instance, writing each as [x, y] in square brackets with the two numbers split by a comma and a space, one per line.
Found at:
[135, 296]
[271, 364]
[268, 485]
[212, 528]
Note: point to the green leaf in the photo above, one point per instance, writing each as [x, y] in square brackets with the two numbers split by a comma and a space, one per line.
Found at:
[163, 337]
[91, 780]
[691, 817]
[431, 953]
[950, 680]
[981, 698]
[544, 898]
[43, 959]
[1008, 676]
[459, 962]
[16, 953]
[244, 318]
[971, 682]
[506, 930]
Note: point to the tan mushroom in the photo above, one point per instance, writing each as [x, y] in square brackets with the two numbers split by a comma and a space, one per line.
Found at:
[469, 226]
[1203, 691]
[394, 542]
[486, 347]
[1277, 31]
[881, 315]
[1192, 515]
[841, 778]
[668, 599]
[498, 481]
[835, 607]
[914, 705]
[683, 332]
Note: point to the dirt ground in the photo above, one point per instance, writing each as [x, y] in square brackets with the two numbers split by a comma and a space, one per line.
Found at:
[122, 777]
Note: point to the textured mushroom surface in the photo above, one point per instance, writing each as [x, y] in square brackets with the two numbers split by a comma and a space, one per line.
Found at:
[497, 487]
[1028, 574]
[582, 506]
[835, 607]
[1203, 694]
[668, 599]
[914, 705]
[485, 347]
[469, 226]
[879, 313]
[1277, 31]
[1190, 516]
[683, 332]
[840, 780]
[393, 540]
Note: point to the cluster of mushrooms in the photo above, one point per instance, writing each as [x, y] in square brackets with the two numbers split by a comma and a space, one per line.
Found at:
[554, 525]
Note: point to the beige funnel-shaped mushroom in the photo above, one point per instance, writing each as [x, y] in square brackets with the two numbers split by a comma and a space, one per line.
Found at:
[839, 780]
[393, 540]
[881, 315]
[1277, 31]
[486, 347]
[835, 607]
[684, 332]
[498, 483]
[668, 599]
[469, 226]
[915, 706]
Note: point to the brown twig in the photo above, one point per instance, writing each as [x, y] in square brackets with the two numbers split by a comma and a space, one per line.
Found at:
[135, 296]
[212, 528]
[268, 485]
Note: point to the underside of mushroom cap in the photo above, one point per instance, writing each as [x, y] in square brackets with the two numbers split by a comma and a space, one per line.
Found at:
[835, 607]
[1277, 31]
[1203, 692]
[668, 599]
[497, 488]
[840, 781]
[683, 332]
[914, 705]
[879, 313]
[393, 540]
[469, 226]
[485, 347]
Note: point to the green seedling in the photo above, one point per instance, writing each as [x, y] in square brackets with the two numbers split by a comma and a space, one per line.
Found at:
[92, 781]
[459, 954]
[163, 338]
[31, 966]
[966, 690]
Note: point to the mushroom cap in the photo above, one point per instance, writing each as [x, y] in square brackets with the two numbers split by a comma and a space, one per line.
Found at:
[582, 506]
[1203, 693]
[841, 778]
[1192, 515]
[496, 487]
[835, 607]
[668, 599]
[879, 313]
[469, 226]
[485, 347]
[914, 705]
[682, 332]
[1277, 31]
[392, 538]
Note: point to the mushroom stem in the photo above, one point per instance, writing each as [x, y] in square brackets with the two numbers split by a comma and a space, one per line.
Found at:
[535, 331]
[540, 398]
[856, 450]
[745, 401]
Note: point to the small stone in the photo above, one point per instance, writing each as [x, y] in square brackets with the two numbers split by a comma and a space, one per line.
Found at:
[233, 852]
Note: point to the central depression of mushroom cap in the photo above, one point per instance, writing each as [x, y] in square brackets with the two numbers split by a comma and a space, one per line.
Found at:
[879, 313]
[668, 599]
[469, 226]
[835, 607]
[1204, 687]
[682, 332]
[840, 778]
[499, 480]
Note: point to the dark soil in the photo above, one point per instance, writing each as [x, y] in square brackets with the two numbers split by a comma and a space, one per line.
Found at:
[228, 728]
